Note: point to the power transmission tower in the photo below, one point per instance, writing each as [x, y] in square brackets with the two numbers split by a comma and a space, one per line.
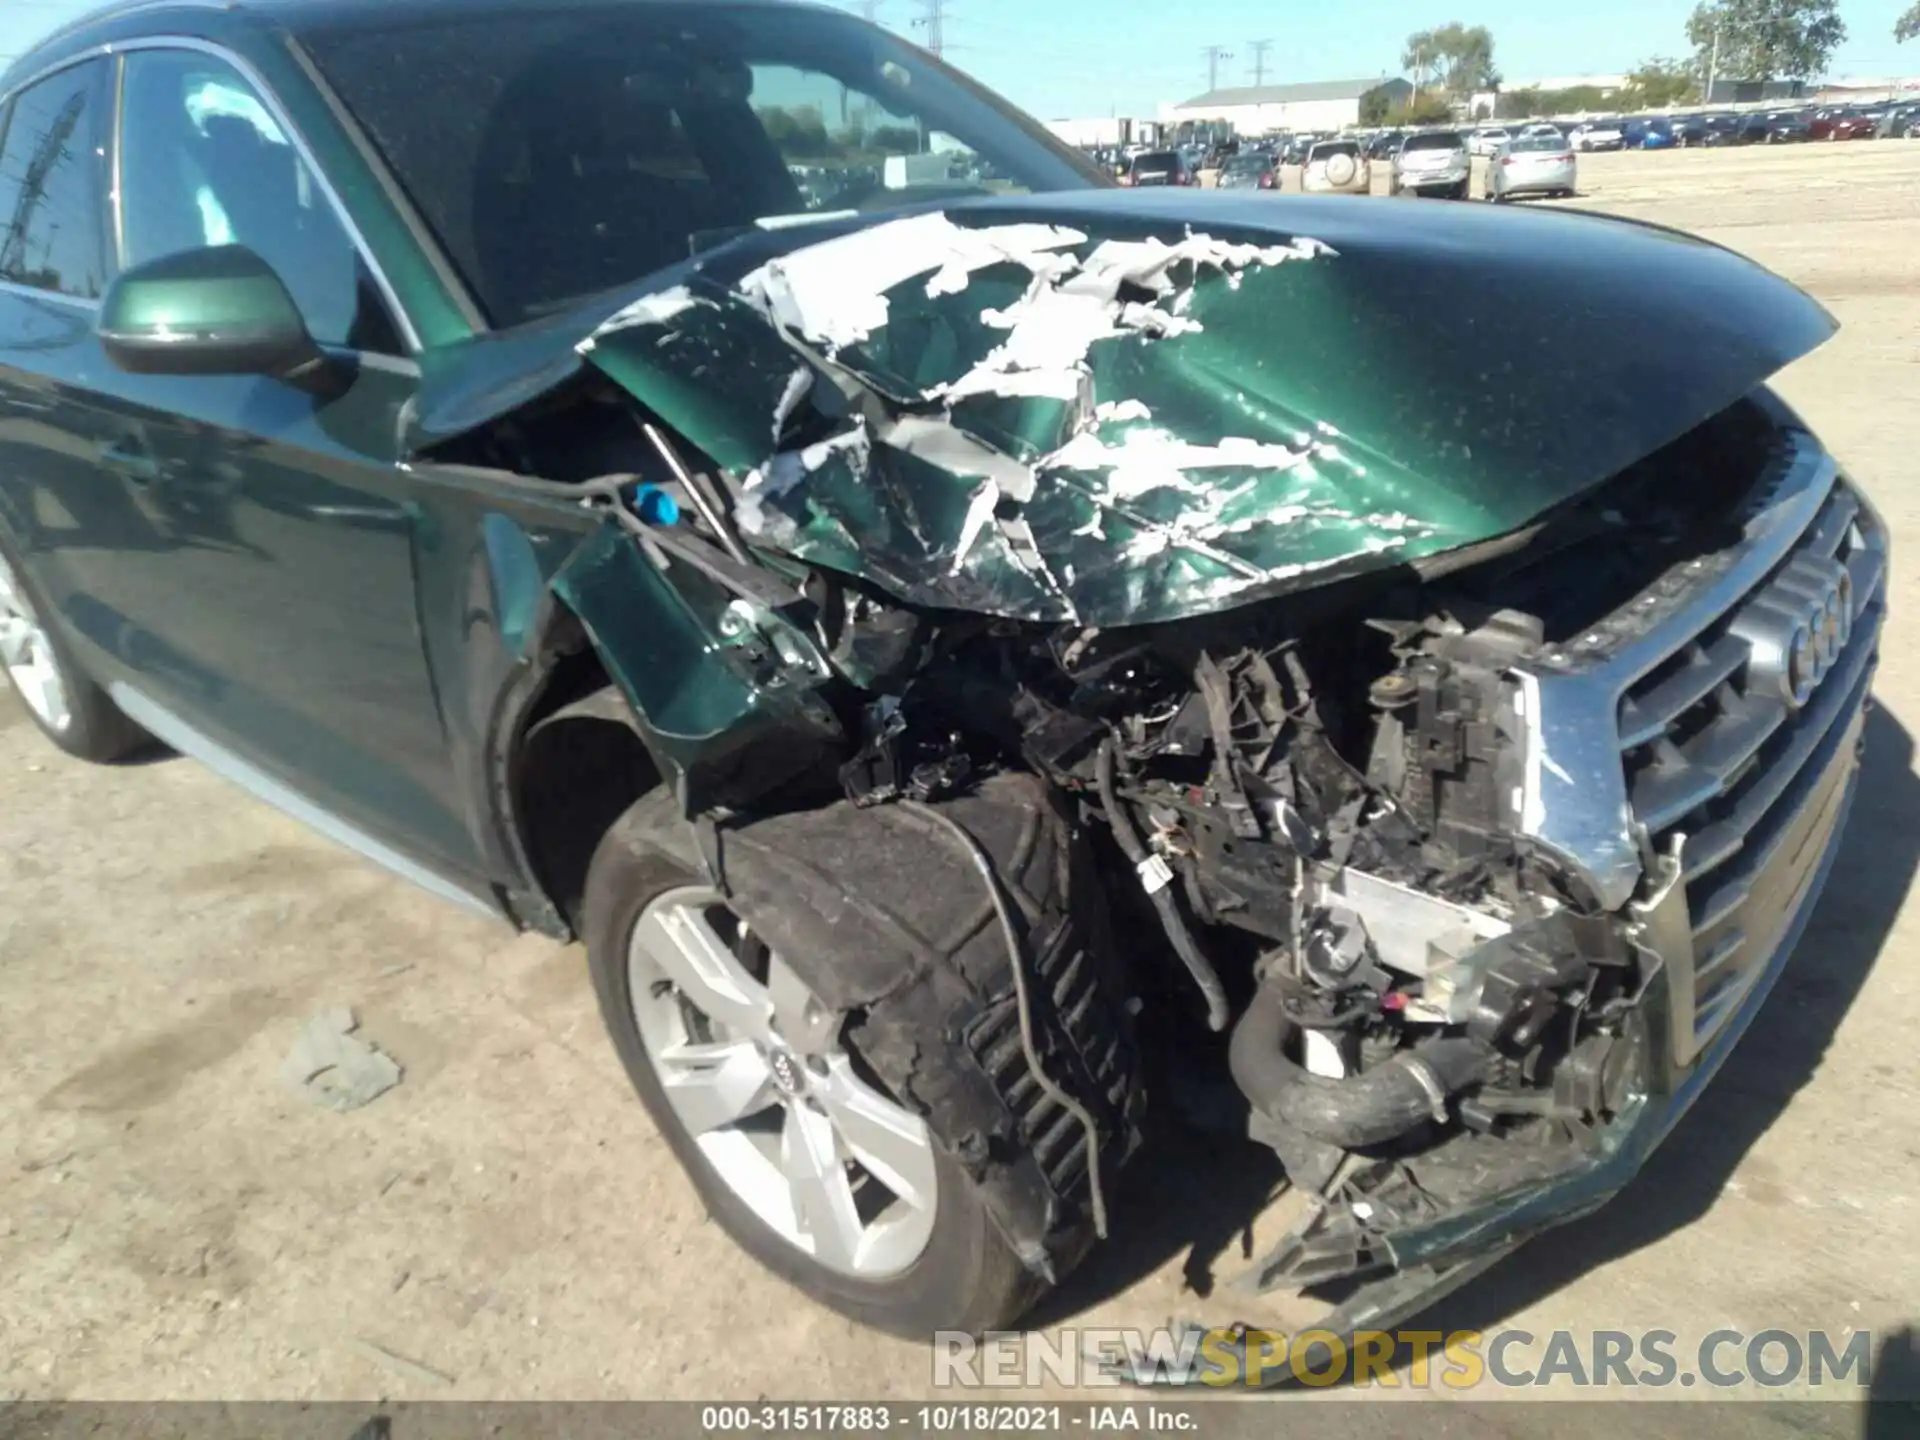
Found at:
[932, 23]
[1215, 54]
[33, 185]
[1260, 48]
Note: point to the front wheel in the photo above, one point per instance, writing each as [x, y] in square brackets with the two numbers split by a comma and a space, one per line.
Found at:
[831, 1100]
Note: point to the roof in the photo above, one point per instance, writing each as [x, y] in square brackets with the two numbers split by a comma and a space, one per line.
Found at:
[1289, 94]
[122, 19]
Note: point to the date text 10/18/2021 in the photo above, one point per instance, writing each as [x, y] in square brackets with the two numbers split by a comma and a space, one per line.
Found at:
[979, 1418]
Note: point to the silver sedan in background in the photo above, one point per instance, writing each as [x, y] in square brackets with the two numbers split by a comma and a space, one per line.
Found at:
[1531, 165]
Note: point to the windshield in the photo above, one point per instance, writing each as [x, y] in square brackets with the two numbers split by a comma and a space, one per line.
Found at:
[1536, 144]
[1248, 164]
[1434, 140]
[1156, 163]
[561, 151]
[1335, 147]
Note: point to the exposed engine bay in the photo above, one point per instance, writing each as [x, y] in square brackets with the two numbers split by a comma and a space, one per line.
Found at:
[1311, 800]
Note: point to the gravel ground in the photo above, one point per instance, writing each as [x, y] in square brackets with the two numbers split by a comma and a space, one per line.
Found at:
[173, 1223]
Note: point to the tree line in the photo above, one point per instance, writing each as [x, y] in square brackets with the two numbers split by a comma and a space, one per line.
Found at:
[1731, 39]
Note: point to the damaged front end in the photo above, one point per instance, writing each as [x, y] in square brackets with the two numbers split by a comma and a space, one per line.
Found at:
[1467, 715]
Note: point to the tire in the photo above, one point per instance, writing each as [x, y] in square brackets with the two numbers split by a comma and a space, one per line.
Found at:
[59, 697]
[917, 985]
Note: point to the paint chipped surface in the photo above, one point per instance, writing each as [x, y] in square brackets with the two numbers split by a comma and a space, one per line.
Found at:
[1096, 408]
[658, 309]
[996, 403]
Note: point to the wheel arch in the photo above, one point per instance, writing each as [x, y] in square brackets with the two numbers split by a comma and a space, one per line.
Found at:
[571, 758]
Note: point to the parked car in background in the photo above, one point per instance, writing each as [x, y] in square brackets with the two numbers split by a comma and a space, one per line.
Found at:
[1433, 162]
[1598, 135]
[1385, 145]
[1844, 123]
[1900, 123]
[1250, 170]
[1692, 130]
[1655, 133]
[1302, 146]
[1161, 167]
[1531, 165]
[1780, 127]
[1336, 167]
[1216, 156]
[1488, 141]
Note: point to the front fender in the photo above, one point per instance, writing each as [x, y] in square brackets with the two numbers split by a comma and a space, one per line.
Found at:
[725, 696]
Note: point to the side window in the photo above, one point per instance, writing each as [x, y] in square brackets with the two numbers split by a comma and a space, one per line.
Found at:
[54, 181]
[204, 162]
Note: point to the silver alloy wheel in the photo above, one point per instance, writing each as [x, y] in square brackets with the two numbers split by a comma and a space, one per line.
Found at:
[752, 1065]
[28, 654]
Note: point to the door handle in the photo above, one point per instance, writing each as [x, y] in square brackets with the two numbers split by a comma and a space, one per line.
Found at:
[128, 459]
[369, 517]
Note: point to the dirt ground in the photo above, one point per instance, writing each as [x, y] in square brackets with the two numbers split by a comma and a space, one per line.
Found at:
[173, 1223]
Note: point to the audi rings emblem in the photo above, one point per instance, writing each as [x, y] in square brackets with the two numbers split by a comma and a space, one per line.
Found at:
[1796, 628]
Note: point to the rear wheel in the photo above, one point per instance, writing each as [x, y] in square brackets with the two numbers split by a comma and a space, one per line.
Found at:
[70, 709]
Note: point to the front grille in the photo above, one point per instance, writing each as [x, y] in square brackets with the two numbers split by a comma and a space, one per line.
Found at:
[1733, 743]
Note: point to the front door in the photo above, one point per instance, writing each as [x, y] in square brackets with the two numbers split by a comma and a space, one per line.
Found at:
[278, 611]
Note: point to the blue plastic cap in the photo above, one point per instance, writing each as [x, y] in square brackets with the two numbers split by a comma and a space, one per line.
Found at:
[655, 505]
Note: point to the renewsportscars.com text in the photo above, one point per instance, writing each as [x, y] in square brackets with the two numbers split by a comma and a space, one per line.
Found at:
[1415, 1359]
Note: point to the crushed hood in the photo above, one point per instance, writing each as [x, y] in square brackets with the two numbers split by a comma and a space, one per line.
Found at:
[1120, 407]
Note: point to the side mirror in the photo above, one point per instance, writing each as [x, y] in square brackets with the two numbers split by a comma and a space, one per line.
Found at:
[215, 311]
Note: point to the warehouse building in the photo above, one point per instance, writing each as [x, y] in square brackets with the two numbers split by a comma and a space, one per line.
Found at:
[1318, 105]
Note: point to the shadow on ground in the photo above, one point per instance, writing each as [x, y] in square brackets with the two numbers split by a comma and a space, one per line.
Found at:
[1196, 1196]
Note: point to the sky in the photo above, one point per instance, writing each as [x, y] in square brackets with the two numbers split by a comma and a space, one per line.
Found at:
[1062, 58]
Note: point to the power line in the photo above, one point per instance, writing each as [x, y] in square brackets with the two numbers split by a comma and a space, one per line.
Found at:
[933, 23]
[1215, 54]
[1260, 48]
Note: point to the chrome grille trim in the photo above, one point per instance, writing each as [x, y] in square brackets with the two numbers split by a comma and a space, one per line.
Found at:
[1572, 799]
[1740, 783]
[1684, 728]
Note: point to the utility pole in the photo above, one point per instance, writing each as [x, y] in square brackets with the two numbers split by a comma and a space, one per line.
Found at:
[1419, 70]
[1260, 48]
[1215, 54]
[932, 23]
[1713, 65]
[33, 187]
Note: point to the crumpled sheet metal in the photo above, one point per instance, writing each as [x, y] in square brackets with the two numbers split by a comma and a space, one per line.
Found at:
[982, 399]
[1022, 419]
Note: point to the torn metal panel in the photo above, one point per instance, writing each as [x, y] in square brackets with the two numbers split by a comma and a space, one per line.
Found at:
[723, 693]
[1183, 402]
[660, 308]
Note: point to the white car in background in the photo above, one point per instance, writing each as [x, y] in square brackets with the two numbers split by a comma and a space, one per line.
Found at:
[1488, 142]
[1433, 162]
[1337, 167]
[1532, 165]
[1598, 135]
